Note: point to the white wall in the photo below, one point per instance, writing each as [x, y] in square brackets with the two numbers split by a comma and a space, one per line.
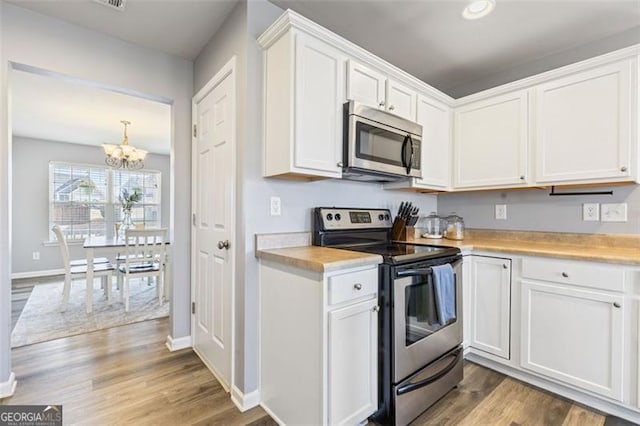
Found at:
[535, 210]
[30, 208]
[39, 41]
[239, 36]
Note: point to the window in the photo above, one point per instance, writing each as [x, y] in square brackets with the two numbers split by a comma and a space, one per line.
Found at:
[83, 200]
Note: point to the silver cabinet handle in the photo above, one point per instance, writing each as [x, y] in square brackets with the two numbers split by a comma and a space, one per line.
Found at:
[376, 308]
[340, 164]
[504, 266]
[564, 274]
[381, 103]
[391, 108]
[616, 305]
[224, 245]
[357, 286]
[623, 168]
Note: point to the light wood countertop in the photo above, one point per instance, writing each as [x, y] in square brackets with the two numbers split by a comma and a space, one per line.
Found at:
[319, 259]
[622, 249]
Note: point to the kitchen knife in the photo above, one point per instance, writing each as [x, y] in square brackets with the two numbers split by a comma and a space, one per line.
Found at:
[400, 209]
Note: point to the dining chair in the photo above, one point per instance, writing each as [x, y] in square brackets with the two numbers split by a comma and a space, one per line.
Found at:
[77, 269]
[144, 256]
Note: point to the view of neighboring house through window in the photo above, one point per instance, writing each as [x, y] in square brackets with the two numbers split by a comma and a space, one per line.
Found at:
[83, 199]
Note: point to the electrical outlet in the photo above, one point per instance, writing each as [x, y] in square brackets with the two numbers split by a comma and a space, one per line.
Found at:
[614, 212]
[36, 255]
[276, 206]
[501, 211]
[591, 212]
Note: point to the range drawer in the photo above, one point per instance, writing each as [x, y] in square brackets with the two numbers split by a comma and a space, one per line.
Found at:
[352, 285]
[604, 277]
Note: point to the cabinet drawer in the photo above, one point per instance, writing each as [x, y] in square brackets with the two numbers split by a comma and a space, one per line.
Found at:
[584, 274]
[353, 285]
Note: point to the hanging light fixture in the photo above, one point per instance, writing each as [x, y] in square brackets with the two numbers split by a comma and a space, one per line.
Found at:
[124, 155]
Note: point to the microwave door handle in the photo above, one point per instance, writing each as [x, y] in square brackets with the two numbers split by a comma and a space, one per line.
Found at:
[407, 164]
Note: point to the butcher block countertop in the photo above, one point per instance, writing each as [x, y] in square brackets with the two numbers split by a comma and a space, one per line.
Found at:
[608, 248]
[319, 259]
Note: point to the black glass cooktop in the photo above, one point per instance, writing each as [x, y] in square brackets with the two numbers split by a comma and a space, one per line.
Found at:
[400, 253]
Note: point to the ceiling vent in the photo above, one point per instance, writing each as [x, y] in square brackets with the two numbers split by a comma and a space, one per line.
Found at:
[113, 4]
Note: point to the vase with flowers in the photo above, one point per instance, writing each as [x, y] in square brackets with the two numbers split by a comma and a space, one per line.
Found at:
[127, 201]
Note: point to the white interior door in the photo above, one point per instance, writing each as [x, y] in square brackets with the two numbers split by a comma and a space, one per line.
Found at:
[213, 185]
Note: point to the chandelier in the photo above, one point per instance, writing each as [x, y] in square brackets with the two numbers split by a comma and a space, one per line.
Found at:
[124, 155]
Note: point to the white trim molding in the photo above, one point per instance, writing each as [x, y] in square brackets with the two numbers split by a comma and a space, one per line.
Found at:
[243, 401]
[178, 343]
[9, 387]
[37, 274]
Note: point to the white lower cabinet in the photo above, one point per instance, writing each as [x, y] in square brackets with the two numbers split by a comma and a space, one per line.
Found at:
[490, 304]
[353, 348]
[573, 335]
[318, 344]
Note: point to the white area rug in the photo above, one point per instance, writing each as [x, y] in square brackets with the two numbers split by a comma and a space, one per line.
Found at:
[41, 319]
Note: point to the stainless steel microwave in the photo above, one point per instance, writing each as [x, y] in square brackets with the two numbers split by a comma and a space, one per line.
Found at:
[379, 146]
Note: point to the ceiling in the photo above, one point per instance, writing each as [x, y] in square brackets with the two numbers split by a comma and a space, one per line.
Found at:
[51, 108]
[430, 40]
[180, 28]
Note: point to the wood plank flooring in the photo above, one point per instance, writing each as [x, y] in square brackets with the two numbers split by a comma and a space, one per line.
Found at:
[125, 375]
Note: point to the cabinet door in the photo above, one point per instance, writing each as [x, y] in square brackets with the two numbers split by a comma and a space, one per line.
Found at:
[435, 118]
[491, 139]
[365, 85]
[583, 126]
[490, 305]
[574, 336]
[353, 363]
[401, 100]
[319, 82]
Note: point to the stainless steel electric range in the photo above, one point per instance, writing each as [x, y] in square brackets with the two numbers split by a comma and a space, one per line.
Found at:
[420, 359]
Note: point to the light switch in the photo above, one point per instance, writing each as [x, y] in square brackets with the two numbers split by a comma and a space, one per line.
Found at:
[614, 212]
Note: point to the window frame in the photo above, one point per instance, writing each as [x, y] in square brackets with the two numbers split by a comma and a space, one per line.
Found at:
[111, 203]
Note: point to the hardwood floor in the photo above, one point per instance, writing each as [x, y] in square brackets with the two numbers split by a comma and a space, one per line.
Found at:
[125, 375]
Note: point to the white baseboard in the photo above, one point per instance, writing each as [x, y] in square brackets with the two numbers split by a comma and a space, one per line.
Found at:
[243, 401]
[178, 344]
[37, 274]
[9, 387]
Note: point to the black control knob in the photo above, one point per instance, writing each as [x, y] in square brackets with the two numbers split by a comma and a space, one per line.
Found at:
[329, 216]
[338, 217]
[386, 217]
[380, 217]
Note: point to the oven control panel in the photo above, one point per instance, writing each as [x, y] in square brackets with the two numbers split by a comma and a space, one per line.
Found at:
[336, 218]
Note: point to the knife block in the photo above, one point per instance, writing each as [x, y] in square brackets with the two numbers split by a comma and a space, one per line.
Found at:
[409, 233]
[398, 230]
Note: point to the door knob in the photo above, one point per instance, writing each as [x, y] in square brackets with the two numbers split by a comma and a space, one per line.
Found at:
[223, 245]
[376, 308]
[381, 104]
[357, 286]
[623, 168]
[391, 108]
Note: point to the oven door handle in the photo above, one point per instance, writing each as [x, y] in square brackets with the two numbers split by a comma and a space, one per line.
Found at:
[422, 383]
[413, 272]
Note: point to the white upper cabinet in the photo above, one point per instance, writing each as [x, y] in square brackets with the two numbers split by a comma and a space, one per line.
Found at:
[374, 89]
[401, 100]
[435, 118]
[365, 85]
[583, 126]
[305, 93]
[490, 142]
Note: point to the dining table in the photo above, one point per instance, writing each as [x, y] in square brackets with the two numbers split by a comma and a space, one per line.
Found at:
[111, 247]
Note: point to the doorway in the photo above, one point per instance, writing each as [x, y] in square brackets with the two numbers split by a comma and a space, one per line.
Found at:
[59, 177]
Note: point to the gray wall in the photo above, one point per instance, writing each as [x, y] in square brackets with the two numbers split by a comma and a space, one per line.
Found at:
[254, 191]
[51, 44]
[535, 210]
[30, 229]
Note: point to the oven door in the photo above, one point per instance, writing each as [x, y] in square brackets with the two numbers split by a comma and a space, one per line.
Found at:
[418, 337]
[382, 148]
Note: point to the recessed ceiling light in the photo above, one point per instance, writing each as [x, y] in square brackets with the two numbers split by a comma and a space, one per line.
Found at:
[478, 9]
